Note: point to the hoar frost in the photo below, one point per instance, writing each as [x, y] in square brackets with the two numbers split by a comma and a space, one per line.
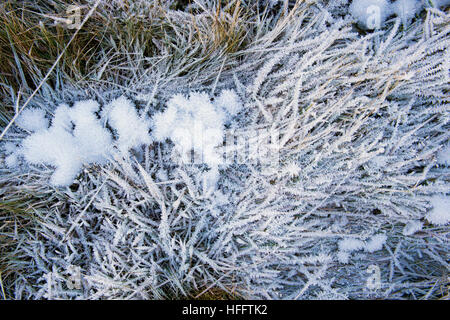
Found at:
[78, 137]
[349, 245]
[195, 123]
[440, 213]
[443, 156]
[32, 119]
[406, 9]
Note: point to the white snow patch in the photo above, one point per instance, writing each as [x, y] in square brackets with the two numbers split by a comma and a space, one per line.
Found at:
[32, 119]
[92, 139]
[68, 149]
[406, 9]
[11, 161]
[229, 101]
[443, 156]
[132, 129]
[440, 214]
[9, 147]
[412, 227]
[195, 123]
[349, 245]
[375, 243]
[78, 137]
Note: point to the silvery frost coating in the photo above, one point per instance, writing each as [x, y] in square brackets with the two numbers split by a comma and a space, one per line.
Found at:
[361, 183]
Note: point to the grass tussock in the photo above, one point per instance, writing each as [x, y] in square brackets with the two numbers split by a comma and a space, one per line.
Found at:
[119, 43]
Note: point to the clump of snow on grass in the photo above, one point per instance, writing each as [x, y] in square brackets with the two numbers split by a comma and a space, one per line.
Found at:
[32, 119]
[370, 13]
[196, 123]
[11, 161]
[229, 101]
[9, 147]
[440, 214]
[443, 156]
[412, 227]
[68, 149]
[78, 137]
[375, 243]
[131, 129]
[56, 147]
[440, 3]
[349, 245]
[92, 139]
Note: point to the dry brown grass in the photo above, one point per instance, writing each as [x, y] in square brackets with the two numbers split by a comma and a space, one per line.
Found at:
[117, 44]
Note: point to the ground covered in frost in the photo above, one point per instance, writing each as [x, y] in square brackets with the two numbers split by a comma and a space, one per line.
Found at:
[314, 164]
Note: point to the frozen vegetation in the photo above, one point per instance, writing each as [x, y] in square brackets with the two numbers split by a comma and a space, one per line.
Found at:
[340, 155]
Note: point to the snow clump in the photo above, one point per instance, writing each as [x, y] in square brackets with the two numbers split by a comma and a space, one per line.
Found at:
[32, 119]
[443, 156]
[77, 136]
[131, 129]
[349, 245]
[440, 214]
[196, 123]
[406, 9]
